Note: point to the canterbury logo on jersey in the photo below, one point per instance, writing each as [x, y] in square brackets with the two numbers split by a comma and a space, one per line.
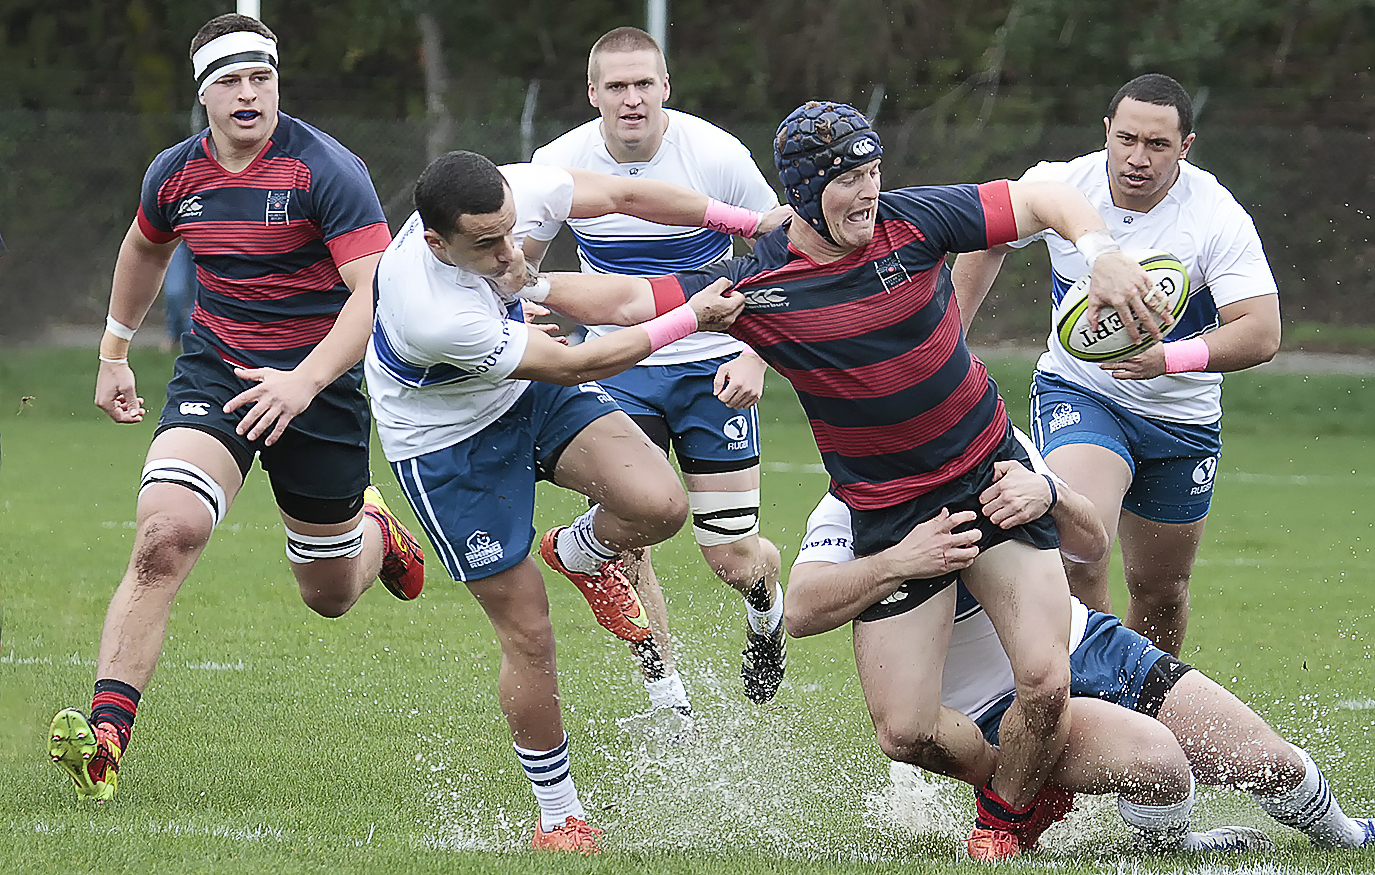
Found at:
[190, 207]
[194, 408]
[764, 299]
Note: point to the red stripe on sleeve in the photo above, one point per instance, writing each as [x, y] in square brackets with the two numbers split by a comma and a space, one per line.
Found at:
[999, 223]
[668, 294]
[360, 242]
[154, 234]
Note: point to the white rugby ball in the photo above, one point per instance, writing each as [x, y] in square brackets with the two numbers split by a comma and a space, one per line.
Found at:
[1111, 342]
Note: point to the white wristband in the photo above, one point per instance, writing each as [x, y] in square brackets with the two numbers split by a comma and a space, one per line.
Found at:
[536, 291]
[119, 329]
[1096, 243]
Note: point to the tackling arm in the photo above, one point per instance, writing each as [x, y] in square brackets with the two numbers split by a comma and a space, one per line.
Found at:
[824, 596]
[597, 194]
[545, 359]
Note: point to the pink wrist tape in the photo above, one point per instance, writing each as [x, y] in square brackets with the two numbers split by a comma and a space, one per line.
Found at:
[729, 219]
[673, 325]
[1186, 355]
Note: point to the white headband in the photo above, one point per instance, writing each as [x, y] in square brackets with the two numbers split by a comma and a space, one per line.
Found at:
[233, 51]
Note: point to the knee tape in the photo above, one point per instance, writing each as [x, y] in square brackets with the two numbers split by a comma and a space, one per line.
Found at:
[724, 517]
[303, 549]
[201, 484]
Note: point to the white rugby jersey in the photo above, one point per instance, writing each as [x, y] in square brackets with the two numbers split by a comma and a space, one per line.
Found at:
[1201, 224]
[977, 672]
[695, 154]
[444, 341]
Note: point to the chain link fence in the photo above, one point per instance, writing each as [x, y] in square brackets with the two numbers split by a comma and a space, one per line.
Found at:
[69, 186]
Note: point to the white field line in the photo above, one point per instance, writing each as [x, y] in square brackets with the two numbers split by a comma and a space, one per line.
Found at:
[255, 833]
[11, 658]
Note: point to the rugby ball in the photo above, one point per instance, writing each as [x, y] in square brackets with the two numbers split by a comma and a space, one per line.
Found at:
[1111, 342]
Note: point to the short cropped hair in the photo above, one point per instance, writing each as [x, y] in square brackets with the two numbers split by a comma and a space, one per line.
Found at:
[458, 184]
[1161, 90]
[624, 39]
[230, 22]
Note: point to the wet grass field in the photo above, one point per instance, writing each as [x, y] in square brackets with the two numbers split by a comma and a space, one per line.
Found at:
[273, 740]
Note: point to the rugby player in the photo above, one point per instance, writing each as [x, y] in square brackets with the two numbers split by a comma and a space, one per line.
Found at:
[852, 304]
[1141, 437]
[1143, 724]
[696, 396]
[286, 230]
[474, 405]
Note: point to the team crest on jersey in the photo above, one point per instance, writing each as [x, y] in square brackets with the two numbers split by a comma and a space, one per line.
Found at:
[482, 550]
[277, 202]
[764, 299]
[891, 272]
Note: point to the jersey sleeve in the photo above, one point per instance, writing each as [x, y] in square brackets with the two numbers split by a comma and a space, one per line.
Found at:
[543, 196]
[154, 218]
[1045, 171]
[957, 218]
[345, 207]
[829, 534]
[1234, 264]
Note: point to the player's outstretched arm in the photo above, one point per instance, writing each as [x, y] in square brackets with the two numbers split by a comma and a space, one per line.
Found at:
[139, 270]
[823, 596]
[597, 194]
[712, 309]
[1118, 282]
[280, 396]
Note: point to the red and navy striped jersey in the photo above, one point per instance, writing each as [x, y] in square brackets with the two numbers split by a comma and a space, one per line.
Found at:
[268, 240]
[872, 342]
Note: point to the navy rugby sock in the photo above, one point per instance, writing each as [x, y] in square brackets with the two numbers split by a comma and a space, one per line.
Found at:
[115, 703]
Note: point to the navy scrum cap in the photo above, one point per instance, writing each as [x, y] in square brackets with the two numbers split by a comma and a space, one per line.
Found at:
[816, 143]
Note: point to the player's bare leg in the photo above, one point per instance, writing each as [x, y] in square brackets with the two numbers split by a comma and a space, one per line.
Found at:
[1158, 560]
[173, 527]
[1025, 594]
[1101, 476]
[897, 660]
[640, 499]
[1228, 743]
[725, 523]
[637, 501]
[656, 660]
[329, 587]
[517, 605]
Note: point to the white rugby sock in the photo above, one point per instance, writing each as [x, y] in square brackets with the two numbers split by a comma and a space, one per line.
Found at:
[548, 771]
[766, 621]
[1160, 827]
[667, 692]
[579, 548]
[1312, 809]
